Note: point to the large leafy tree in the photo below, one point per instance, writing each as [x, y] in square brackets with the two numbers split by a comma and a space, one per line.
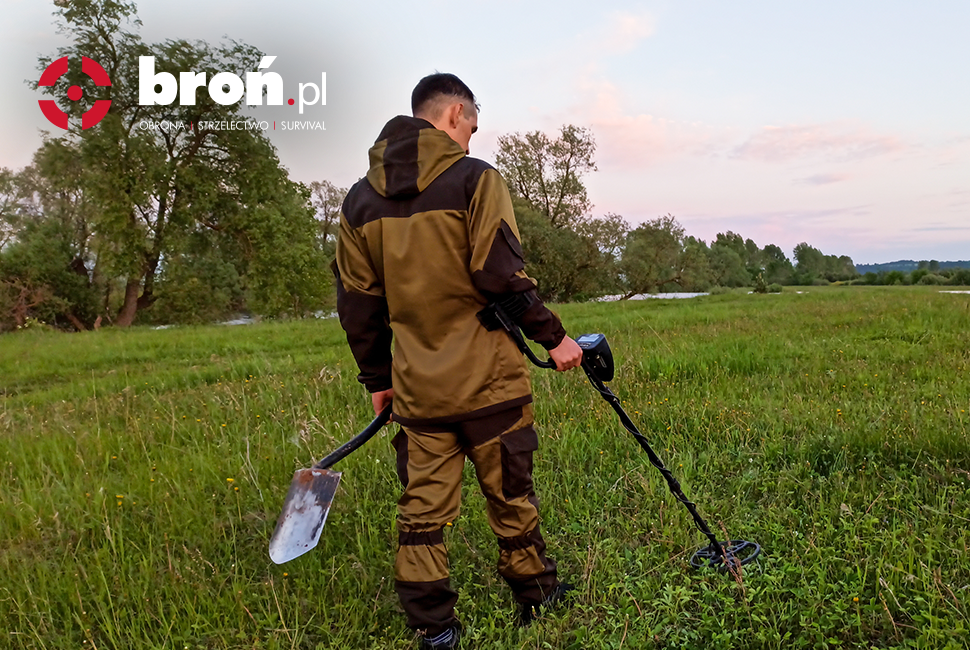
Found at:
[778, 269]
[658, 254]
[159, 192]
[546, 173]
[569, 264]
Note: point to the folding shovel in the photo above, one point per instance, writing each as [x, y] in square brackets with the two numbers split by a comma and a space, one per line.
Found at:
[310, 497]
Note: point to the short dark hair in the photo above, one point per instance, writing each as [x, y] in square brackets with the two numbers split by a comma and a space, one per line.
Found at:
[436, 85]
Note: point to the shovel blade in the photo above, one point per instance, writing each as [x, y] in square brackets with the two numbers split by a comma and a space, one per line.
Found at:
[304, 514]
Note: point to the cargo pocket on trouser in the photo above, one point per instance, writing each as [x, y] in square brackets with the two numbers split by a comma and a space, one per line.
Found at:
[400, 442]
[517, 449]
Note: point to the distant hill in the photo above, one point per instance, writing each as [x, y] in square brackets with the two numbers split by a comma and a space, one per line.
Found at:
[906, 266]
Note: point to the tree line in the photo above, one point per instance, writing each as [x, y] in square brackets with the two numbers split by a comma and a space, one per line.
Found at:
[576, 256]
[120, 225]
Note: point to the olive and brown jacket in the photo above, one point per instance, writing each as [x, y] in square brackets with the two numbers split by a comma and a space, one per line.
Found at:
[426, 240]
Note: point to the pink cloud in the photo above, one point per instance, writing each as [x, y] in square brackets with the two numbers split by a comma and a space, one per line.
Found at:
[628, 140]
[828, 141]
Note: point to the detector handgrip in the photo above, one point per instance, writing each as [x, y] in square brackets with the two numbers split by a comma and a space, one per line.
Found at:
[597, 356]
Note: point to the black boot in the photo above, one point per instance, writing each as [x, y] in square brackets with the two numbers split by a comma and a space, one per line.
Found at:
[556, 598]
[447, 640]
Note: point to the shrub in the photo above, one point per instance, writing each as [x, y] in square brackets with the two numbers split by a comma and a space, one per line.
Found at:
[932, 278]
[960, 277]
[894, 277]
[774, 288]
[760, 286]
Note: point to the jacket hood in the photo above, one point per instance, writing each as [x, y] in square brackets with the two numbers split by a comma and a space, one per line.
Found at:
[408, 155]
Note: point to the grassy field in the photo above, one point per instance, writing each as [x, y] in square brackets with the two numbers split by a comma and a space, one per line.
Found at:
[143, 472]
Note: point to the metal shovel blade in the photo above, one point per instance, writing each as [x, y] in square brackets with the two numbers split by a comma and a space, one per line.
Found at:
[304, 513]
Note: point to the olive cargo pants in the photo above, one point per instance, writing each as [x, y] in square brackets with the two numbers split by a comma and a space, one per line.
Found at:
[429, 464]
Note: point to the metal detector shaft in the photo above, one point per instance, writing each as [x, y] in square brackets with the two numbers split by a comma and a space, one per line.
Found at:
[672, 482]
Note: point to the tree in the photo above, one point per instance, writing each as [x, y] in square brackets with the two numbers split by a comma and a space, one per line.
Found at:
[156, 190]
[547, 173]
[565, 265]
[44, 255]
[813, 265]
[608, 236]
[327, 200]
[809, 263]
[777, 267]
[727, 267]
[9, 206]
[656, 254]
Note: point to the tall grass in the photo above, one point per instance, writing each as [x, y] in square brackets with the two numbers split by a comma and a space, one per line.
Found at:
[143, 472]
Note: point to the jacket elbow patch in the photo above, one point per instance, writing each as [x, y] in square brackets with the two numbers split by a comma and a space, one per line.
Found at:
[504, 261]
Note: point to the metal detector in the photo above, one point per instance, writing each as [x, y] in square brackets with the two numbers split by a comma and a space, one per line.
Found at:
[599, 368]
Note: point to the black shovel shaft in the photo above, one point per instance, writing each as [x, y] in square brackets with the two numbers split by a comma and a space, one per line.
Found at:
[355, 443]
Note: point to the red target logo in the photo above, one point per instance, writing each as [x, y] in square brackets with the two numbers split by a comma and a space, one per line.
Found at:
[50, 108]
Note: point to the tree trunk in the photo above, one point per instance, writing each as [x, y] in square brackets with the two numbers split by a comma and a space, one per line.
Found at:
[126, 315]
[75, 322]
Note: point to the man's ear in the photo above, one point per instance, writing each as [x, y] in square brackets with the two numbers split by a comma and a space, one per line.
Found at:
[454, 113]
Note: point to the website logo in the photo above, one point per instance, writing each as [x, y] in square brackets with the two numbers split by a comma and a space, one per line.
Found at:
[52, 111]
[225, 88]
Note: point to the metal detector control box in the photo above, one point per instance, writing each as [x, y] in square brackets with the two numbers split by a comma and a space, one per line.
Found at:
[597, 355]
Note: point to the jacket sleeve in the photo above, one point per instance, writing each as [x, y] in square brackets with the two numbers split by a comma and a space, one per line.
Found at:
[362, 309]
[497, 262]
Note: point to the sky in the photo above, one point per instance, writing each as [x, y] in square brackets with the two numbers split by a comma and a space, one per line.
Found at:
[842, 124]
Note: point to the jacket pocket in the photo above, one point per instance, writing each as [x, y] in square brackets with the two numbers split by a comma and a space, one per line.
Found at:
[517, 449]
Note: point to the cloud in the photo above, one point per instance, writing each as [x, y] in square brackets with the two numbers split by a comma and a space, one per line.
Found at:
[841, 142]
[624, 31]
[822, 179]
[941, 228]
[629, 140]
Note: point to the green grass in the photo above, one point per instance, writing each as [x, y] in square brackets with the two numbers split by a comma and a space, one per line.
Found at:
[831, 427]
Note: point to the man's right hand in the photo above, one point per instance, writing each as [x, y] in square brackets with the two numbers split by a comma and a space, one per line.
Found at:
[567, 354]
[380, 399]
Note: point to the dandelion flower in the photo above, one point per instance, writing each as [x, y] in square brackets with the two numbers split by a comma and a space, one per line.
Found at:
[229, 480]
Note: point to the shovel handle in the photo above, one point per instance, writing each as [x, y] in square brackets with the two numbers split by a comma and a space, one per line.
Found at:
[354, 443]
